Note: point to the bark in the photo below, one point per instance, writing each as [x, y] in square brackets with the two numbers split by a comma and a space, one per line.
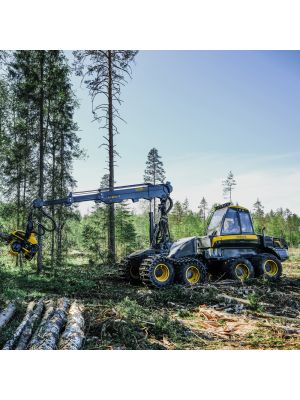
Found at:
[10, 343]
[53, 327]
[73, 334]
[111, 212]
[53, 196]
[27, 331]
[59, 249]
[36, 337]
[41, 157]
[6, 314]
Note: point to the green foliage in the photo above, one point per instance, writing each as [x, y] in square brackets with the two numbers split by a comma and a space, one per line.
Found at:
[254, 302]
[154, 171]
[279, 223]
[94, 233]
[71, 281]
[184, 222]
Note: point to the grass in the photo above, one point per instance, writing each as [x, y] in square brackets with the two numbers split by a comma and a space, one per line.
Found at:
[122, 316]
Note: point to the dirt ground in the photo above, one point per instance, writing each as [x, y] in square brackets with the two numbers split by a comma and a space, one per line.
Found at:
[218, 315]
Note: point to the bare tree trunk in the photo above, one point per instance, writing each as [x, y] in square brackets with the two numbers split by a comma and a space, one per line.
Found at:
[52, 208]
[53, 327]
[60, 194]
[73, 334]
[27, 331]
[6, 314]
[41, 159]
[36, 337]
[10, 343]
[111, 209]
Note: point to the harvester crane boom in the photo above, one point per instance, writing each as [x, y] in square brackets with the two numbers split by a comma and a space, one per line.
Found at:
[135, 193]
[25, 242]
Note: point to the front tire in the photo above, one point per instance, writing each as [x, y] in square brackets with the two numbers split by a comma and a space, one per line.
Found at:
[240, 269]
[191, 272]
[157, 272]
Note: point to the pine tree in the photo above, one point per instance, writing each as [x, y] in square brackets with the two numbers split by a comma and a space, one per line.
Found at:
[228, 185]
[154, 172]
[104, 73]
[258, 215]
[203, 207]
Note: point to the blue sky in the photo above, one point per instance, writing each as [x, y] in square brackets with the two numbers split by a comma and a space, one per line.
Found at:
[206, 112]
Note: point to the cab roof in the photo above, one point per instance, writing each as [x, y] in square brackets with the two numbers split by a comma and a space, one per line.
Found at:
[230, 205]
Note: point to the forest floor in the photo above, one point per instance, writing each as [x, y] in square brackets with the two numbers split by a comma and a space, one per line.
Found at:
[218, 315]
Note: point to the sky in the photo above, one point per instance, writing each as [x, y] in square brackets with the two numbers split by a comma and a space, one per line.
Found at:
[207, 113]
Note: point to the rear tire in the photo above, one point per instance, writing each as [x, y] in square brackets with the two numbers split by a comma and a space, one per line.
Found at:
[129, 271]
[191, 272]
[240, 269]
[268, 266]
[157, 272]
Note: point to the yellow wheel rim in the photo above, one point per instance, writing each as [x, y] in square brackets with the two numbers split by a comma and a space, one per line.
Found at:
[270, 267]
[161, 272]
[242, 271]
[192, 275]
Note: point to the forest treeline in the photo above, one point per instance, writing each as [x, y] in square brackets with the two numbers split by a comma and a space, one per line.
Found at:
[39, 142]
[132, 228]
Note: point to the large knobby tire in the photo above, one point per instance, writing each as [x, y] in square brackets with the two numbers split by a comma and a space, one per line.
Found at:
[268, 266]
[129, 271]
[240, 269]
[157, 271]
[191, 272]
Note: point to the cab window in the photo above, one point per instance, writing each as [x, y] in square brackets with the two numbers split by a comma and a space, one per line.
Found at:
[215, 222]
[246, 223]
[231, 223]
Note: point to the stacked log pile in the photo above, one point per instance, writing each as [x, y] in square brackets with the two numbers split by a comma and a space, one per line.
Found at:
[47, 325]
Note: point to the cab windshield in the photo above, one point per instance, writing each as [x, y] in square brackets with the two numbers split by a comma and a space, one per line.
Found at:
[215, 222]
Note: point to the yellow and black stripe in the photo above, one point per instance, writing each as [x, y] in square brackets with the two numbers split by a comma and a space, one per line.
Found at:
[217, 241]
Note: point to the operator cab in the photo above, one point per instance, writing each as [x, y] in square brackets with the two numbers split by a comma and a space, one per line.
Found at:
[230, 220]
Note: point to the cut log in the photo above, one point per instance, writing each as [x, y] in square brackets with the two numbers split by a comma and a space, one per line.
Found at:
[6, 314]
[27, 331]
[73, 334]
[38, 334]
[53, 327]
[10, 343]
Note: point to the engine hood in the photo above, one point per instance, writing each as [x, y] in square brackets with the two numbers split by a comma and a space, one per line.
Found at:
[184, 247]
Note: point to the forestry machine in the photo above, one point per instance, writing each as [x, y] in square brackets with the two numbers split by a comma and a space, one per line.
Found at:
[230, 247]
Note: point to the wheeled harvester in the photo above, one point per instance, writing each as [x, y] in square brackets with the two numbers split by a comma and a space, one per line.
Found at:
[230, 249]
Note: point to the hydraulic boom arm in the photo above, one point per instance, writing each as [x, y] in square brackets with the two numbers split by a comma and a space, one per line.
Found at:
[26, 243]
[135, 193]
